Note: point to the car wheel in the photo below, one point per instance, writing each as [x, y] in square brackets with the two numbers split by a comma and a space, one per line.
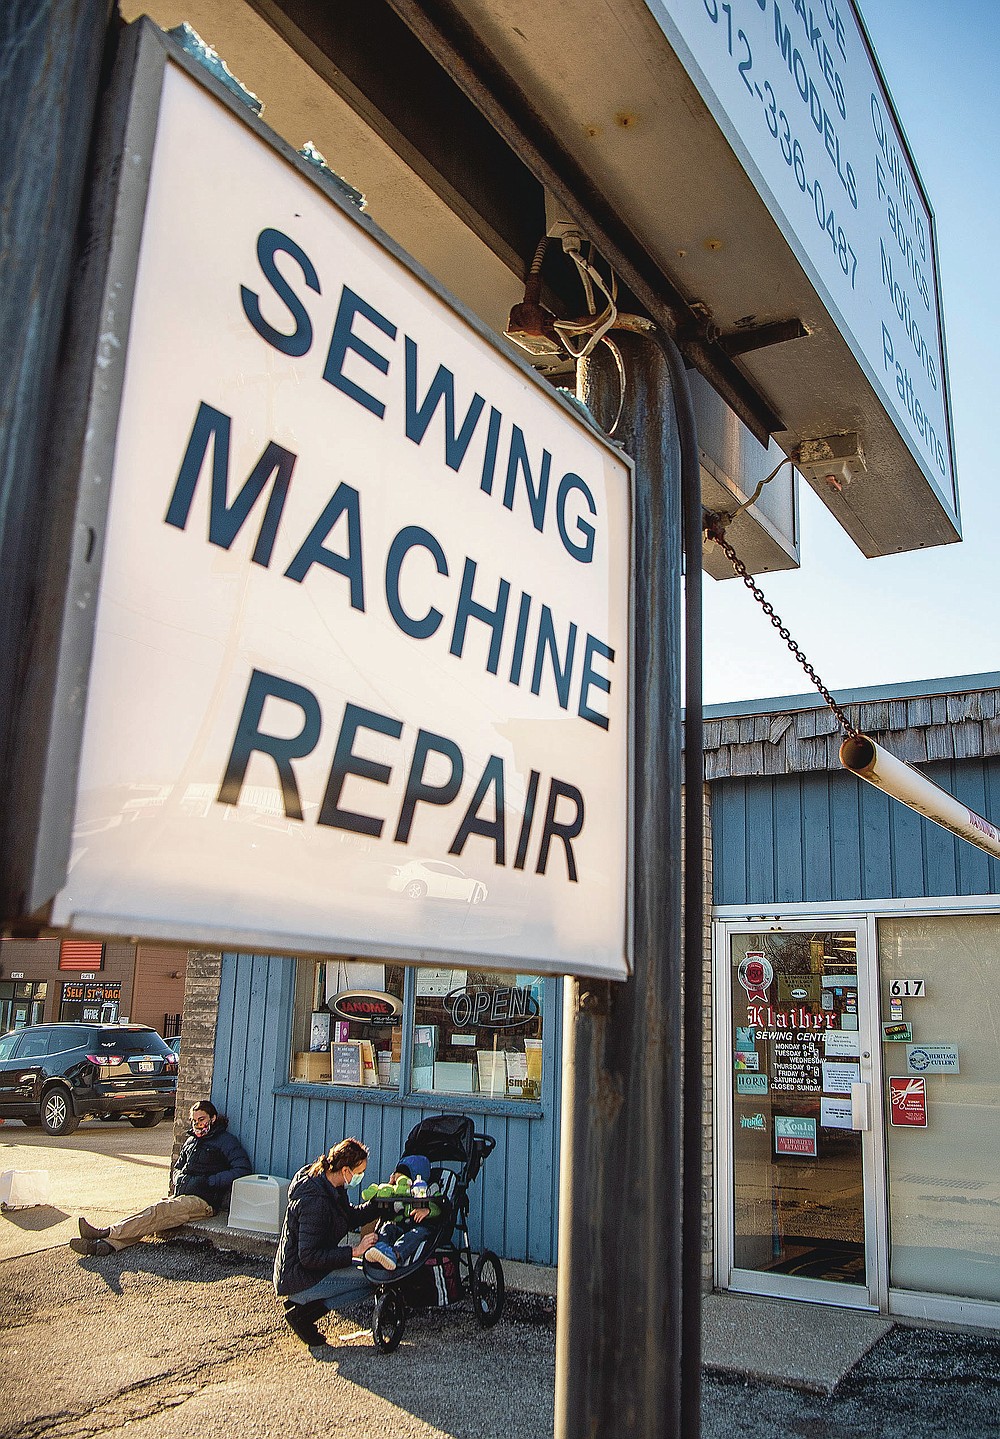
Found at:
[416, 889]
[488, 1289]
[56, 1115]
[146, 1121]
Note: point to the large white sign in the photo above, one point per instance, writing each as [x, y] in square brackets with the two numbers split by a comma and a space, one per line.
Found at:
[795, 89]
[360, 676]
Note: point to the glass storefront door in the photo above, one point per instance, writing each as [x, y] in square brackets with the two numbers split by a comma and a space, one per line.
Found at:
[22, 1002]
[799, 1051]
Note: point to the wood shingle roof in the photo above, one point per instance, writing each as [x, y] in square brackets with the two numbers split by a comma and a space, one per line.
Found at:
[800, 734]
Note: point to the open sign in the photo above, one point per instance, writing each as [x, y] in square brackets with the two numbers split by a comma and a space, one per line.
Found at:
[478, 1007]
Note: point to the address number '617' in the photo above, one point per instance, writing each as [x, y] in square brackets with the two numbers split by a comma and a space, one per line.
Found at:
[907, 989]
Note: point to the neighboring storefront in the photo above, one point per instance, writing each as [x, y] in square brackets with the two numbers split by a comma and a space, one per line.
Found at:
[857, 984]
[71, 980]
[852, 1027]
[307, 1052]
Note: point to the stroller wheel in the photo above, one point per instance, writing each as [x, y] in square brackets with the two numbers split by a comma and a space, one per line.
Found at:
[388, 1321]
[488, 1289]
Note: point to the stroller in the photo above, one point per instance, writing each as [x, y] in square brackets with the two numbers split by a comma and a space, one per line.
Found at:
[456, 1154]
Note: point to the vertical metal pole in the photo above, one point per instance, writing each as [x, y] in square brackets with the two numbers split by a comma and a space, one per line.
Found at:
[50, 64]
[618, 1351]
[694, 915]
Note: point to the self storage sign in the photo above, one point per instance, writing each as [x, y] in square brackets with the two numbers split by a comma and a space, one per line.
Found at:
[360, 672]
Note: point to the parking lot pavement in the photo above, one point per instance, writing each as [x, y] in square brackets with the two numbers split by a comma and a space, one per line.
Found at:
[180, 1340]
[104, 1170]
[177, 1340]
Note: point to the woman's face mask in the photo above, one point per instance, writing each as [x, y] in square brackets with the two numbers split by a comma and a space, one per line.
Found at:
[355, 1180]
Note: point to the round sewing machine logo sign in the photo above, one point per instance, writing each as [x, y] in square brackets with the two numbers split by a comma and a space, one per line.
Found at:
[756, 974]
[366, 1006]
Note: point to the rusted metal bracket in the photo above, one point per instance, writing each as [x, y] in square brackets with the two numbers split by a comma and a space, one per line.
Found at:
[714, 524]
[595, 999]
[760, 337]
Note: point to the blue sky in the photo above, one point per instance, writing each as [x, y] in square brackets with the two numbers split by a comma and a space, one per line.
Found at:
[936, 612]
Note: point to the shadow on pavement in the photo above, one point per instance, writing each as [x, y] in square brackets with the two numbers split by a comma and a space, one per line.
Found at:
[451, 1374]
[36, 1219]
[914, 1383]
[189, 1261]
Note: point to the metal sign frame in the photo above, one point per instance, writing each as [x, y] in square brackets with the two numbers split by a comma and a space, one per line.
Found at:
[101, 328]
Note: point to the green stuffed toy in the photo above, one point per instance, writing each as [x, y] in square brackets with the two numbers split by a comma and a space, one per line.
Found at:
[381, 1191]
[400, 1190]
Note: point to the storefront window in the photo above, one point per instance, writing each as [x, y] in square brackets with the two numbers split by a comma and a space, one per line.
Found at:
[470, 1031]
[478, 1032]
[22, 1002]
[85, 1001]
[940, 996]
[348, 1026]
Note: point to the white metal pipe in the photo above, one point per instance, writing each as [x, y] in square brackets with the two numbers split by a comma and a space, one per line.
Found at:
[869, 761]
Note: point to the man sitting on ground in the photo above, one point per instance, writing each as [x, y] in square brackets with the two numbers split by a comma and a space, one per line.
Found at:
[209, 1160]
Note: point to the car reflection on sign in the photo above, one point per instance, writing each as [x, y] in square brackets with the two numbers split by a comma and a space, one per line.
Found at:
[435, 879]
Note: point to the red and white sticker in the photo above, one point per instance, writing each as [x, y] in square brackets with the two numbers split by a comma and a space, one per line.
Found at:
[908, 1102]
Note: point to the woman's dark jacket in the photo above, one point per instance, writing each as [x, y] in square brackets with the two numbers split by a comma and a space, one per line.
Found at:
[318, 1217]
[207, 1165]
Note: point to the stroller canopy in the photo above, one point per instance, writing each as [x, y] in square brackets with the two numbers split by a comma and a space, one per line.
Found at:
[443, 1136]
[446, 1137]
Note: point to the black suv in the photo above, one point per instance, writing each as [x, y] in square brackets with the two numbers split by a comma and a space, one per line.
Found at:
[54, 1075]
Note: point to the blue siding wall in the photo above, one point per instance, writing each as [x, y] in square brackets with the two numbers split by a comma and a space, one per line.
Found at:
[804, 838]
[514, 1202]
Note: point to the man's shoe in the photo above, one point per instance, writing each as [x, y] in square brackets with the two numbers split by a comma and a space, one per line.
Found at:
[91, 1246]
[90, 1231]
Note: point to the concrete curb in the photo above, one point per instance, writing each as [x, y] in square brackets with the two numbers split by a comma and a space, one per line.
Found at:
[808, 1347]
[531, 1288]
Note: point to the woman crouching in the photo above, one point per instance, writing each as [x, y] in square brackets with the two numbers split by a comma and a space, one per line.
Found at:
[314, 1271]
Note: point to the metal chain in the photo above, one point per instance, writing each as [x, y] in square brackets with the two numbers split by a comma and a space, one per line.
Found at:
[776, 621]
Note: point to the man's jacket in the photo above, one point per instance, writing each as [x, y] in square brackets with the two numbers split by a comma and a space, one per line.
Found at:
[208, 1164]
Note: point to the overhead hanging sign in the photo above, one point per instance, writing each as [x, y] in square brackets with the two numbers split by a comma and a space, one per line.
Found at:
[797, 92]
[360, 666]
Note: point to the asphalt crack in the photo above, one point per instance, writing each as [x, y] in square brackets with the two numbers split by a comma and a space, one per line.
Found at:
[146, 1397]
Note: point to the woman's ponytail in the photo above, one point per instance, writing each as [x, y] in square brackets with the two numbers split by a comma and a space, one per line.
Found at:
[349, 1153]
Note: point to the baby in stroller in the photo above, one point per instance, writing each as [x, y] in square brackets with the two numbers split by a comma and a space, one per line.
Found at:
[400, 1239]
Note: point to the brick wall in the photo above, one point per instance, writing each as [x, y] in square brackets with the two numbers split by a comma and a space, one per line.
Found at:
[156, 992]
[705, 999]
[201, 1011]
[708, 1079]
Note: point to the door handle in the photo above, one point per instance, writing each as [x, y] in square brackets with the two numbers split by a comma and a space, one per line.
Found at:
[861, 1105]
